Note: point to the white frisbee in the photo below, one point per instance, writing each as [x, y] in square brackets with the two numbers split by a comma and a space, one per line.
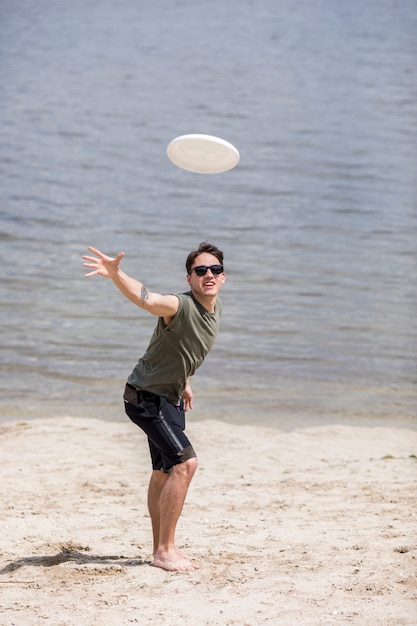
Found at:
[203, 154]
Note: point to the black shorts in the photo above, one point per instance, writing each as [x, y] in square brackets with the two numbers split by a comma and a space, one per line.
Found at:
[164, 425]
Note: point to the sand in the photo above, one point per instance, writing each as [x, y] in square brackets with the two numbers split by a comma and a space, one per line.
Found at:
[314, 526]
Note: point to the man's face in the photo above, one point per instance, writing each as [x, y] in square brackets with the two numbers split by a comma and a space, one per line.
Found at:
[210, 283]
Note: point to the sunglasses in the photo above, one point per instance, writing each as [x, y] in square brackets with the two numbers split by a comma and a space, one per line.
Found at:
[201, 270]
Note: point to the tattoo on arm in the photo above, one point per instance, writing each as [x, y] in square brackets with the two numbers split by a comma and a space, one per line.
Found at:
[144, 293]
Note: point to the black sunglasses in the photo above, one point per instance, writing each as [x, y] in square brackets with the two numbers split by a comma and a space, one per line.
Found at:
[201, 270]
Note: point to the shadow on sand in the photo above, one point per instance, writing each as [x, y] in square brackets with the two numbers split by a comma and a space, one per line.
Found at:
[75, 554]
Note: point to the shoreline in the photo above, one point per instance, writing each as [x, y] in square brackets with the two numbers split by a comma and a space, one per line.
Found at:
[285, 423]
[316, 525]
[287, 406]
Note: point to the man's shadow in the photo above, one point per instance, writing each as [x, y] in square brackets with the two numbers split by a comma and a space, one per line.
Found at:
[74, 555]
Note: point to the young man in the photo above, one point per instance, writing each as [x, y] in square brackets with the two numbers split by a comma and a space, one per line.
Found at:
[158, 390]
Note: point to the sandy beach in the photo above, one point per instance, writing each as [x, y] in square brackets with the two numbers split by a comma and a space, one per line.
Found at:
[314, 526]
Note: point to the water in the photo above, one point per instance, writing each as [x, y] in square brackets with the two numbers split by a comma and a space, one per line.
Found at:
[318, 222]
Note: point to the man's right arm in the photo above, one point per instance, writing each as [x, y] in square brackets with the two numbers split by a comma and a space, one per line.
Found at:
[165, 306]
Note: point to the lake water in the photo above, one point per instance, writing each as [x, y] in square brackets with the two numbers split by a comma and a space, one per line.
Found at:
[318, 222]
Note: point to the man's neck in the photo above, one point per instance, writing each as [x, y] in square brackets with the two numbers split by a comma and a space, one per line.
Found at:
[208, 302]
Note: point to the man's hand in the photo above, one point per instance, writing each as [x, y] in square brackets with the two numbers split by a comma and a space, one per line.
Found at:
[103, 265]
[187, 397]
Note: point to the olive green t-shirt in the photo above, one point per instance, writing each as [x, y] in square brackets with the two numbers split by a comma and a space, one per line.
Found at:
[175, 351]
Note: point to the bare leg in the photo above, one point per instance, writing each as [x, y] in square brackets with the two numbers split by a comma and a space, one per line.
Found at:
[166, 498]
[156, 484]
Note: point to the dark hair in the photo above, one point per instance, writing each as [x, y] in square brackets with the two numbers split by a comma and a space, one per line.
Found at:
[203, 247]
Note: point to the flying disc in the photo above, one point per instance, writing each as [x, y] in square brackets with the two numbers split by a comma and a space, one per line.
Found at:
[203, 154]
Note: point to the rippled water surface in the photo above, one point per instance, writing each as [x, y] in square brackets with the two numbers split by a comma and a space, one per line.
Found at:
[318, 222]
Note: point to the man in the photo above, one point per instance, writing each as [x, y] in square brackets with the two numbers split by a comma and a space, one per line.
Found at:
[158, 390]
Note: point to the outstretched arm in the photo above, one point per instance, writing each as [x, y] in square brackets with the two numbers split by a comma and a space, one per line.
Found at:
[164, 306]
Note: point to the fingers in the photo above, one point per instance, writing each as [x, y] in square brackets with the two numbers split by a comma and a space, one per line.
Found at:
[92, 261]
[96, 252]
[90, 265]
[101, 263]
[188, 403]
[102, 256]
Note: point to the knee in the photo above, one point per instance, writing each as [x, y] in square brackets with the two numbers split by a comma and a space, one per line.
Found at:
[187, 468]
[189, 460]
[190, 465]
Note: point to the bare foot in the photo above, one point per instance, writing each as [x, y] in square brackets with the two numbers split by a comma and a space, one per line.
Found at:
[174, 561]
[180, 552]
